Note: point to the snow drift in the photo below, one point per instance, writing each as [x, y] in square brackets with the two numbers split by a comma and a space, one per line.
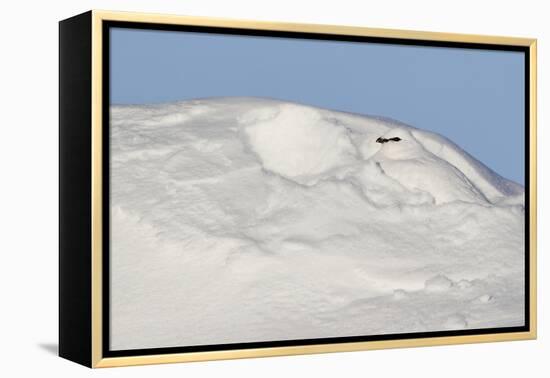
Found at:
[245, 219]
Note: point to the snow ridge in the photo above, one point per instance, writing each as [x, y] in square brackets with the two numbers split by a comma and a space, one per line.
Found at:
[307, 144]
[293, 222]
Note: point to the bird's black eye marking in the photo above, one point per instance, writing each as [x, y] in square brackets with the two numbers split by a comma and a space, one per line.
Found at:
[385, 140]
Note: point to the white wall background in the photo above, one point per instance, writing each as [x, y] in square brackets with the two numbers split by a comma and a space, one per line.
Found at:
[28, 211]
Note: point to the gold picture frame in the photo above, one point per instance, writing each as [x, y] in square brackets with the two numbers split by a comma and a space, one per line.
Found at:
[81, 255]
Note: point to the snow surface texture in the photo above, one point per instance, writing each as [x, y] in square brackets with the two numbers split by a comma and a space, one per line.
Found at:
[243, 219]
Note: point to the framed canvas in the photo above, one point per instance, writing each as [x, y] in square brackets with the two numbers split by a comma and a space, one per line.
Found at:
[235, 189]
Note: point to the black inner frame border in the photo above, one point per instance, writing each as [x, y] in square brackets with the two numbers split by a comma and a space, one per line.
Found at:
[106, 27]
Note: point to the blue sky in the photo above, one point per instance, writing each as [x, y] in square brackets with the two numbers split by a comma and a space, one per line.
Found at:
[473, 97]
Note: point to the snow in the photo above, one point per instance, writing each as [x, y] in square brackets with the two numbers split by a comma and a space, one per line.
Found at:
[438, 283]
[312, 145]
[247, 219]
